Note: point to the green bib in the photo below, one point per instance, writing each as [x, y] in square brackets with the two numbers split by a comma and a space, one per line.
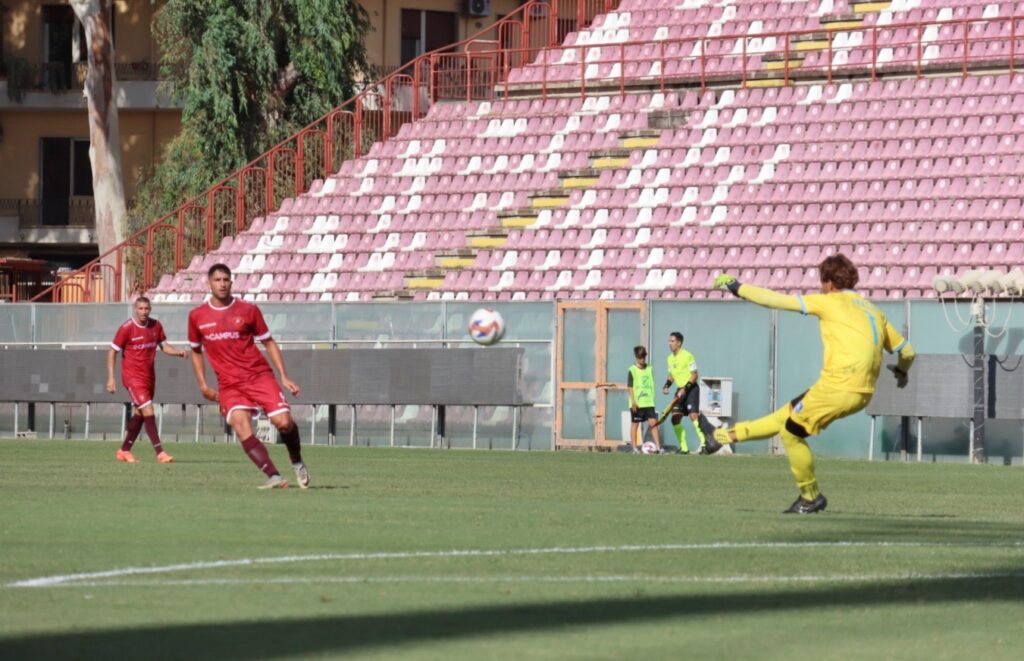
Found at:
[643, 385]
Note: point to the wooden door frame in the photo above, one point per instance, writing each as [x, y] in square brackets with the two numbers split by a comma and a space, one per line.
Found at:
[601, 383]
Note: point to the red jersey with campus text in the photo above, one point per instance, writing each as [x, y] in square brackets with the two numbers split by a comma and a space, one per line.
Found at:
[138, 345]
[228, 337]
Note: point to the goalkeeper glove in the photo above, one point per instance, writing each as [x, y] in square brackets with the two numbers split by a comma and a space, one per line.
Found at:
[901, 376]
[726, 281]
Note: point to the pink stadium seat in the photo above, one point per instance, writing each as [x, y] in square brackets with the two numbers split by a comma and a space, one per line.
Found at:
[907, 176]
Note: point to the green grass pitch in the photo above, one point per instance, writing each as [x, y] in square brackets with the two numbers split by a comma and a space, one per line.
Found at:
[432, 554]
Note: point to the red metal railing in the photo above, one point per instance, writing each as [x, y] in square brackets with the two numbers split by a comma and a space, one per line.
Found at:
[318, 150]
[526, 43]
[909, 48]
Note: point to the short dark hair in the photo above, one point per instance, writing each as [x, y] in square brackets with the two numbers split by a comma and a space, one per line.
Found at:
[218, 267]
[840, 271]
[640, 352]
[143, 299]
[677, 335]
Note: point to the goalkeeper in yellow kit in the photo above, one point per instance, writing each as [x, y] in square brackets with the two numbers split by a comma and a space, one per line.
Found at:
[854, 333]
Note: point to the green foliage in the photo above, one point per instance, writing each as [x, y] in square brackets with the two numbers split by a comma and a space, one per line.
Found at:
[249, 73]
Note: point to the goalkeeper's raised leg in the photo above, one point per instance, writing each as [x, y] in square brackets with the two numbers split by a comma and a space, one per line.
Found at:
[854, 332]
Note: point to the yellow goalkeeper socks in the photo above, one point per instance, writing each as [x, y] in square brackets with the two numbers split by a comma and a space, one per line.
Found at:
[801, 462]
[700, 434]
[765, 427]
[680, 434]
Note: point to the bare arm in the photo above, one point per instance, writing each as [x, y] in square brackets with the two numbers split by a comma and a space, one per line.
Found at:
[277, 360]
[111, 359]
[171, 351]
[199, 367]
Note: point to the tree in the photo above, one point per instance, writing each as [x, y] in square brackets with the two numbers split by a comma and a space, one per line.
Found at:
[248, 73]
[104, 135]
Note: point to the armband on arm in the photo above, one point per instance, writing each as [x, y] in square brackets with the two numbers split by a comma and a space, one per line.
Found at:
[668, 383]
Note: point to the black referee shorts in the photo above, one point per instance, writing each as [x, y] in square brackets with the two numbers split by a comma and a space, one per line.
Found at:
[690, 403]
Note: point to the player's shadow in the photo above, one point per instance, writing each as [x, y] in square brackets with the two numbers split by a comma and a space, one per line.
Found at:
[931, 527]
[352, 633]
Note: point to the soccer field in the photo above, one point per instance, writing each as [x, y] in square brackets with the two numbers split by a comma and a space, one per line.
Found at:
[469, 555]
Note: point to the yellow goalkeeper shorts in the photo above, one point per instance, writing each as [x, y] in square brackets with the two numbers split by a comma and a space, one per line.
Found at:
[822, 405]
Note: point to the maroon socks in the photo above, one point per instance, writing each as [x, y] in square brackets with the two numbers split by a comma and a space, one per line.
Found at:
[131, 431]
[154, 435]
[259, 456]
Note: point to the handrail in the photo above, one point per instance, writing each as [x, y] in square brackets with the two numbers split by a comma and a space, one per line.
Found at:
[526, 40]
[702, 73]
[257, 187]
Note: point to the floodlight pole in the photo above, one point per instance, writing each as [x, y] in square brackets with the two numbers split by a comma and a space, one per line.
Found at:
[977, 455]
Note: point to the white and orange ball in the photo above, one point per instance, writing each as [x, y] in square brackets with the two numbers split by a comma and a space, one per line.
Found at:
[486, 326]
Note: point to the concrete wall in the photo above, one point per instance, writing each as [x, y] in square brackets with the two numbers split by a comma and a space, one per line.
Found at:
[384, 43]
[143, 133]
[23, 30]
[133, 42]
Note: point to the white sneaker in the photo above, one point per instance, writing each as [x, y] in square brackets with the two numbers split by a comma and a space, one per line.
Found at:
[301, 475]
[275, 482]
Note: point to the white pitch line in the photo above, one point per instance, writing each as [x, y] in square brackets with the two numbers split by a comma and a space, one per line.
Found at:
[50, 581]
[297, 580]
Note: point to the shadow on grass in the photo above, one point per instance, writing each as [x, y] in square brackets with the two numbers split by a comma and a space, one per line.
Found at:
[865, 527]
[351, 633]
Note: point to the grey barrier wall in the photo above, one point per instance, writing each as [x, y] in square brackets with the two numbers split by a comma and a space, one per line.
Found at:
[463, 377]
[343, 326]
[943, 387]
[1005, 384]
[771, 356]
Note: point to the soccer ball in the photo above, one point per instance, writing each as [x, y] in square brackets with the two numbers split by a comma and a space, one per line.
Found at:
[649, 447]
[486, 326]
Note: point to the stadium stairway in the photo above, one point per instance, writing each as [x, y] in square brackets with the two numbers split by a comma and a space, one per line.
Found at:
[647, 195]
[766, 182]
[746, 36]
[421, 200]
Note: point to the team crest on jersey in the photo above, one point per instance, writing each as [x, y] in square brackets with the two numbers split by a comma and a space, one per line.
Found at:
[238, 321]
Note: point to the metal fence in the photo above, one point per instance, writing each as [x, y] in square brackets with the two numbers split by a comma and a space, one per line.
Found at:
[64, 212]
[770, 356]
[338, 326]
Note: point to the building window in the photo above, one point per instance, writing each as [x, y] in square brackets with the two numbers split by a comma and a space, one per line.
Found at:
[65, 173]
[424, 31]
[63, 45]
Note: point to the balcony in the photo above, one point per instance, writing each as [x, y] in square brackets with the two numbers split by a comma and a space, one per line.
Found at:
[57, 77]
[27, 85]
[61, 221]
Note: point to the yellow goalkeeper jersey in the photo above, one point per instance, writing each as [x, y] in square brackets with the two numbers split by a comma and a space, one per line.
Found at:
[853, 331]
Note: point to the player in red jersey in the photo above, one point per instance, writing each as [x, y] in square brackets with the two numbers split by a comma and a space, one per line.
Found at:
[137, 340]
[226, 328]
